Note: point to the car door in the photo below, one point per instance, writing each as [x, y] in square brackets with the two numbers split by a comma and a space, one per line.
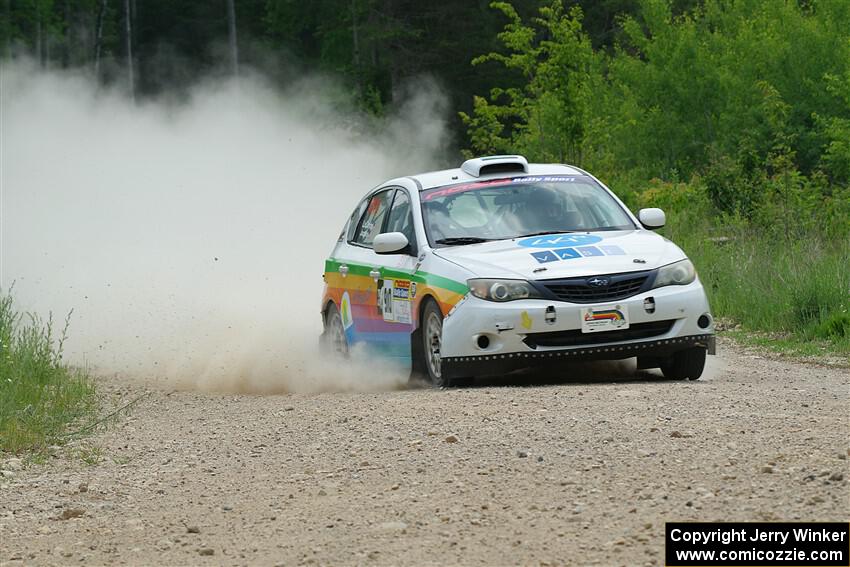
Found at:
[396, 288]
[358, 269]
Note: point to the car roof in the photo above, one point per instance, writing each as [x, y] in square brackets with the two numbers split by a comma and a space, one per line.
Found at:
[457, 175]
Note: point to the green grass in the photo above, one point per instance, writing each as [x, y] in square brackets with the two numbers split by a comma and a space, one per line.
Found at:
[89, 454]
[782, 276]
[40, 397]
[792, 292]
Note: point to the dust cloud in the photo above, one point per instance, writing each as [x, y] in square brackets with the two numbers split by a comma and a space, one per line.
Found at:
[189, 236]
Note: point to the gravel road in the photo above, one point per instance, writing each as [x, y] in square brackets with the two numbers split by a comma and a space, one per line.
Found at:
[581, 470]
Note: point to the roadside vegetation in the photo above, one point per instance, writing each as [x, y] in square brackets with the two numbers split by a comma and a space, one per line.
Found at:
[40, 397]
[784, 286]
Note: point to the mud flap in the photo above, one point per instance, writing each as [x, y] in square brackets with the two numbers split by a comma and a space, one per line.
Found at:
[710, 344]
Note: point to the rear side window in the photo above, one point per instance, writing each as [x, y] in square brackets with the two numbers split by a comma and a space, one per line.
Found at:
[355, 218]
[372, 222]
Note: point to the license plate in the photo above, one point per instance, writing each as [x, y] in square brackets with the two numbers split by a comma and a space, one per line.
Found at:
[605, 318]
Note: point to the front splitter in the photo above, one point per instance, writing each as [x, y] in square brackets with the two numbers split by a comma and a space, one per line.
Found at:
[499, 364]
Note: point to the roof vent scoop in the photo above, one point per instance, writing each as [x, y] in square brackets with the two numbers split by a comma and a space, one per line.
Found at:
[494, 164]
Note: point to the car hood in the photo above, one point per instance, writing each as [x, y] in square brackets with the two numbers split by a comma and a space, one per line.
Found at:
[565, 255]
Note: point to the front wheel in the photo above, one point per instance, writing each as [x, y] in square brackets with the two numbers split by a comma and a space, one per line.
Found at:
[688, 363]
[334, 340]
[431, 352]
[432, 342]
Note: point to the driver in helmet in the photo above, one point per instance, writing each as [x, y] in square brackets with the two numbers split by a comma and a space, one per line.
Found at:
[544, 211]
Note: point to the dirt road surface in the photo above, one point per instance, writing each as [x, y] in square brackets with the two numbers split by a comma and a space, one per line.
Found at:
[536, 472]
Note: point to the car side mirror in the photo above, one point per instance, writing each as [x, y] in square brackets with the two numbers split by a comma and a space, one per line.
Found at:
[390, 243]
[652, 218]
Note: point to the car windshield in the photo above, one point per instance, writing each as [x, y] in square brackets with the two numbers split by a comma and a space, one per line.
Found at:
[469, 213]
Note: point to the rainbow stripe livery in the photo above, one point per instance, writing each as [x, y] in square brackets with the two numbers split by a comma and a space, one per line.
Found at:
[382, 312]
[612, 315]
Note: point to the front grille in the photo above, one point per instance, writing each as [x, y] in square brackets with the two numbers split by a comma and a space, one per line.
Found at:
[575, 337]
[577, 290]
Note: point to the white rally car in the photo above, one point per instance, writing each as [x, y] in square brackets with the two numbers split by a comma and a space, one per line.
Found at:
[502, 265]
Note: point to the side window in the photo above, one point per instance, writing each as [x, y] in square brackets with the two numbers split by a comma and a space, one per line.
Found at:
[373, 220]
[355, 219]
[401, 217]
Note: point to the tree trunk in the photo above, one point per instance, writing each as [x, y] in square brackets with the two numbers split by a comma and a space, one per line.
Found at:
[355, 40]
[46, 38]
[9, 28]
[38, 38]
[128, 40]
[66, 52]
[231, 35]
[98, 38]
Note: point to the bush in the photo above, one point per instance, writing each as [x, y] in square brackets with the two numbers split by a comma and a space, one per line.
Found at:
[39, 395]
[837, 326]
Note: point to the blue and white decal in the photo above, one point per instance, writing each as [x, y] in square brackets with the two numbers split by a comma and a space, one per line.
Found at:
[590, 251]
[612, 250]
[558, 240]
[566, 253]
[546, 256]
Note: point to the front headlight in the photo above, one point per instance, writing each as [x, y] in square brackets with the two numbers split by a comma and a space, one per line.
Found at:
[678, 273]
[502, 290]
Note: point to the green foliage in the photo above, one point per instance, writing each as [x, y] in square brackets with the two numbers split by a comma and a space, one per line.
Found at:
[751, 95]
[773, 281]
[39, 396]
[733, 115]
[548, 117]
[836, 130]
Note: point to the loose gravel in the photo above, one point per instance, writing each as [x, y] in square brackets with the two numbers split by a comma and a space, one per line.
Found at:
[583, 468]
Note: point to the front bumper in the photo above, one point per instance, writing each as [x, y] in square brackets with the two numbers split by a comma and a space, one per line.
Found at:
[523, 334]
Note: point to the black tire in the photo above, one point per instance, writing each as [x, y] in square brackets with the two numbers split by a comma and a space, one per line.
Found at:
[431, 327]
[685, 364]
[334, 340]
[432, 337]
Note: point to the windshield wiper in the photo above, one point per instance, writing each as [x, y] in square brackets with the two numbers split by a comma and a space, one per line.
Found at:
[460, 240]
[542, 232]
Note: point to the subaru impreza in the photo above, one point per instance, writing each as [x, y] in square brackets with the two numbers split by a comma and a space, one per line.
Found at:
[502, 265]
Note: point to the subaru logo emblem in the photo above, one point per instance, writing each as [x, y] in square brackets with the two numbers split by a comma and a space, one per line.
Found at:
[599, 281]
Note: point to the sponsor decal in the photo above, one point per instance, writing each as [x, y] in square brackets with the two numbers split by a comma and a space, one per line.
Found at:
[613, 315]
[558, 240]
[612, 250]
[345, 311]
[543, 257]
[394, 299]
[526, 320]
[566, 253]
[401, 289]
[463, 187]
[590, 251]
[546, 256]
[596, 319]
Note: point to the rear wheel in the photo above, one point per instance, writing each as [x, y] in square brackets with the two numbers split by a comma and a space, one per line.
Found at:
[688, 363]
[334, 339]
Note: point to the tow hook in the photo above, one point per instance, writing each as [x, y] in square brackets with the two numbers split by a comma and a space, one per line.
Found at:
[503, 327]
